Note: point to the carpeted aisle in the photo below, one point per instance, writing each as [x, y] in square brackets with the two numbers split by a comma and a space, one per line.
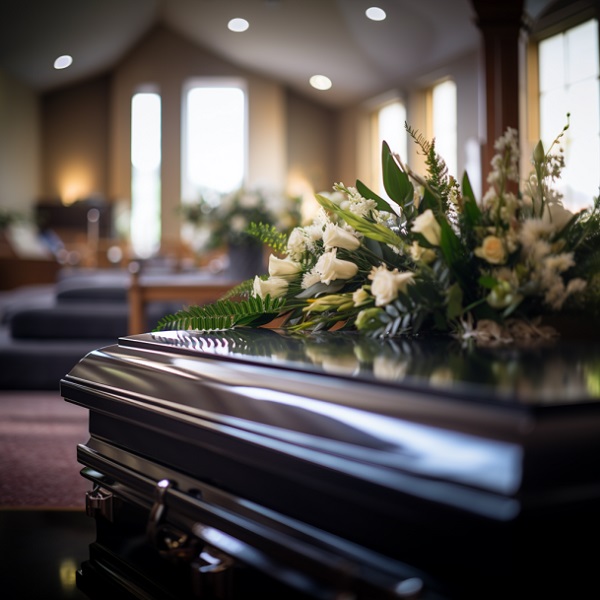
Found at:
[39, 433]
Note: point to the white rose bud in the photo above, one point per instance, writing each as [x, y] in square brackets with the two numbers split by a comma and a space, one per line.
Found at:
[418, 253]
[360, 297]
[336, 237]
[282, 267]
[427, 225]
[275, 287]
[330, 267]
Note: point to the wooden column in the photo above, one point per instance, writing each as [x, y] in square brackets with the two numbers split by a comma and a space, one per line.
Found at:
[502, 25]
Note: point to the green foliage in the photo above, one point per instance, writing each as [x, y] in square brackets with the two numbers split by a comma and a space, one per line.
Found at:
[429, 259]
[224, 314]
[269, 235]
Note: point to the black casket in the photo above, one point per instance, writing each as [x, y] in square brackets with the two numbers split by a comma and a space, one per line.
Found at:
[252, 463]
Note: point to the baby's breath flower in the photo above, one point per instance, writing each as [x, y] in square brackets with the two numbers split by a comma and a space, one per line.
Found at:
[309, 279]
[297, 243]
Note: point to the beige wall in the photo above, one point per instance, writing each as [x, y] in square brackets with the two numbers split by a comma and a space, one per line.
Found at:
[74, 141]
[311, 147]
[166, 60]
[19, 145]
[293, 142]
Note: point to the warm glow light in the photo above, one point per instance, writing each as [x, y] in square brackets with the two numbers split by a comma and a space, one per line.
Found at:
[62, 62]
[74, 184]
[298, 186]
[238, 25]
[320, 82]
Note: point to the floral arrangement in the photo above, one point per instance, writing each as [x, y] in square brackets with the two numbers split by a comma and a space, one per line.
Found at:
[430, 259]
[225, 219]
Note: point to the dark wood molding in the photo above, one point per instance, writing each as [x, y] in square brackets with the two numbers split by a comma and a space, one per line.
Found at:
[504, 26]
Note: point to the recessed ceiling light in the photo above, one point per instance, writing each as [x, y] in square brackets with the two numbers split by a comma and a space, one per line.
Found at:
[375, 13]
[320, 82]
[238, 25]
[62, 62]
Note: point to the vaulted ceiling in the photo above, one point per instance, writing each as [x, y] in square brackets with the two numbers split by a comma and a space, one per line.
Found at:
[288, 40]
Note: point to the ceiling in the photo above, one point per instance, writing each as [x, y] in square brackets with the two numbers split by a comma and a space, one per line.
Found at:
[288, 40]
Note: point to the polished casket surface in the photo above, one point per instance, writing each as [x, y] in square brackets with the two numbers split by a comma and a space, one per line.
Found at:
[335, 463]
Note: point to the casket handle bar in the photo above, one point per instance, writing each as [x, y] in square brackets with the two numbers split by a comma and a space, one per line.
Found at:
[210, 568]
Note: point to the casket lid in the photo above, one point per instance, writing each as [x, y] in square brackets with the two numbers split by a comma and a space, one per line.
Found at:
[510, 421]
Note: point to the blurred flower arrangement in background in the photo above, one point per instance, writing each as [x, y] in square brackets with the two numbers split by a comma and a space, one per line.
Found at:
[431, 258]
[220, 220]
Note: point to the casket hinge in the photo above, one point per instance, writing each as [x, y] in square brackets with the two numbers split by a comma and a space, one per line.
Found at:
[99, 503]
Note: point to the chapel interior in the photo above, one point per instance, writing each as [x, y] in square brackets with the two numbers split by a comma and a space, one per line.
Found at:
[75, 274]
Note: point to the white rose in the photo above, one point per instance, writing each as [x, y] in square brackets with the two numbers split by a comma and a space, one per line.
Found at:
[296, 244]
[281, 267]
[336, 237]
[386, 284]
[492, 250]
[330, 267]
[276, 287]
[427, 225]
[557, 215]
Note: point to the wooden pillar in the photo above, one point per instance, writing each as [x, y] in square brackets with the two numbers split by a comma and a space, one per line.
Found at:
[502, 25]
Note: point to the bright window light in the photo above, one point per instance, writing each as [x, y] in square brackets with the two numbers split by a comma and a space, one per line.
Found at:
[391, 119]
[568, 80]
[444, 110]
[64, 61]
[320, 82]
[375, 13]
[145, 173]
[238, 25]
[214, 139]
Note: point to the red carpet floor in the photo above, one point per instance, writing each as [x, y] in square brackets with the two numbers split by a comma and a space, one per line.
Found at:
[39, 433]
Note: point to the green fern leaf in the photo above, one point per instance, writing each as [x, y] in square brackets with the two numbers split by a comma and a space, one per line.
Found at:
[269, 235]
[224, 314]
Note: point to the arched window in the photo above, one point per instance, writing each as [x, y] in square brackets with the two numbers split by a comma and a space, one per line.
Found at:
[213, 137]
[444, 123]
[145, 173]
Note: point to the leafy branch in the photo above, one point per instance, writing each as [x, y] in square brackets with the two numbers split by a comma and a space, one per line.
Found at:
[269, 235]
[224, 314]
